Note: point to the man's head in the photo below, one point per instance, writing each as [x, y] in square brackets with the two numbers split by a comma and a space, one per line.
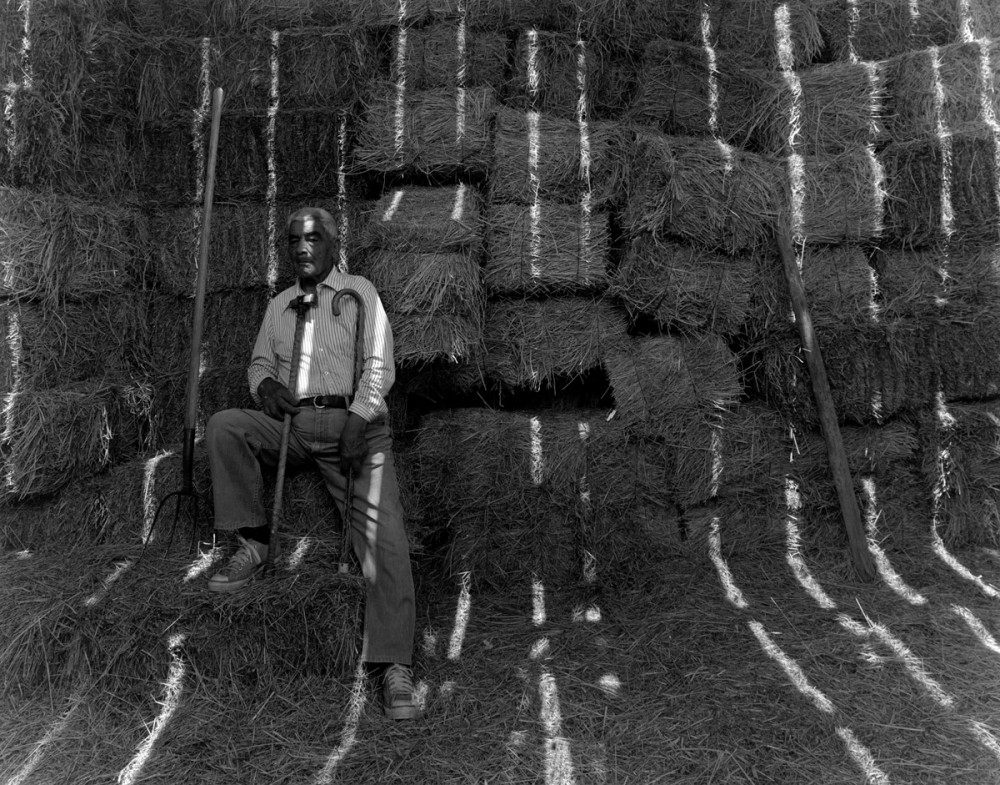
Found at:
[313, 237]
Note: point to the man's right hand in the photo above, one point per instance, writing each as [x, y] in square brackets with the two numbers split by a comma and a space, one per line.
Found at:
[276, 400]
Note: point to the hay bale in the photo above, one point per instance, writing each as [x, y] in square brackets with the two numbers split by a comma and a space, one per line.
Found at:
[964, 341]
[875, 370]
[562, 75]
[716, 196]
[837, 107]
[541, 157]
[58, 248]
[54, 436]
[426, 219]
[839, 284]
[213, 18]
[448, 55]
[685, 93]
[882, 29]
[238, 247]
[684, 287]
[168, 166]
[48, 347]
[309, 149]
[842, 196]
[105, 620]
[740, 527]
[434, 301]
[550, 247]
[573, 489]
[964, 278]
[242, 167]
[219, 387]
[231, 322]
[430, 132]
[323, 68]
[663, 383]
[959, 467]
[943, 86]
[536, 343]
[918, 173]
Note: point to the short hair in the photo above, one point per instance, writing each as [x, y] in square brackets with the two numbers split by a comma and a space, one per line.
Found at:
[326, 220]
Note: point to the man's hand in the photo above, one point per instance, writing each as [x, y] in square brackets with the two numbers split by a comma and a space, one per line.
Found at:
[276, 400]
[353, 445]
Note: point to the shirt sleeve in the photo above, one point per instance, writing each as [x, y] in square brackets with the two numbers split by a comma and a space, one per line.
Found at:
[379, 372]
[263, 361]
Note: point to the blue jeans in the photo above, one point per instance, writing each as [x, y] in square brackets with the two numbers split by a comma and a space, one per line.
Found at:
[240, 441]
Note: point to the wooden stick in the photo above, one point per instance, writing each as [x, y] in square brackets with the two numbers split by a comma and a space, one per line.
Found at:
[862, 557]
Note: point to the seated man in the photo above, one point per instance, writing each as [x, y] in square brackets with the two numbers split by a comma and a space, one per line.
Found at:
[334, 428]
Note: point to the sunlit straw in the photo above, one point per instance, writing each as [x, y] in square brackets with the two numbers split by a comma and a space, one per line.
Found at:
[52, 734]
[537, 601]
[965, 32]
[986, 93]
[460, 44]
[985, 736]
[733, 593]
[558, 755]
[27, 66]
[539, 649]
[610, 684]
[715, 449]
[273, 104]
[882, 564]
[713, 71]
[149, 502]
[793, 556]
[14, 350]
[586, 198]
[349, 734]
[853, 20]
[201, 564]
[796, 166]
[911, 663]
[977, 628]
[537, 461]
[945, 142]
[459, 209]
[863, 757]
[791, 668]
[171, 700]
[302, 547]
[200, 115]
[110, 579]
[462, 610]
[400, 115]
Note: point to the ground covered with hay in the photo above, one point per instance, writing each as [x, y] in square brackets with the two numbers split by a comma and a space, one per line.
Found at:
[762, 666]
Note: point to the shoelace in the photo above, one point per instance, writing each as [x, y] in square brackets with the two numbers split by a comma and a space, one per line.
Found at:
[242, 559]
[399, 681]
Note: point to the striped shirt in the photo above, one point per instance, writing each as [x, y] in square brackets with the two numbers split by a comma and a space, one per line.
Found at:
[326, 366]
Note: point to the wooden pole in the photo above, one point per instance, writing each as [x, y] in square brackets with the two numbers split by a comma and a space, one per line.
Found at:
[860, 554]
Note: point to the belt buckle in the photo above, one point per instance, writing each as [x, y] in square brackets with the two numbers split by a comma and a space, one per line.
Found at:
[317, 404]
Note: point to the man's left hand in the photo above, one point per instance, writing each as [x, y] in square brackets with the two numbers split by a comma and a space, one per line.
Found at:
[353, 445]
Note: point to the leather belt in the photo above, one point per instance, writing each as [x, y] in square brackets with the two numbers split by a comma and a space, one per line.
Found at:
[325, 402]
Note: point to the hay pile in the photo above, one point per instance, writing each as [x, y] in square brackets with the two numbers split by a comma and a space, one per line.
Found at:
[875, 370]
[429, 132]
[839, 283]
[884, 29]
[916, 175]
[54, 436]
[549, 247]
[542, 157]
[959, 464]
[662, 384]
[96, 615]
[836, 107]
[562, 75]
[843, 196]
[48, 347]
[57, 247]
[448, 55]
[422, 248]
[684, 93]
[945, 87]
[536, 343]
[526, 495]
[684, 287]
[714, 195]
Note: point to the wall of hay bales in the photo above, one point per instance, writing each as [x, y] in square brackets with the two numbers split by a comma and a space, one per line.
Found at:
[569, 207]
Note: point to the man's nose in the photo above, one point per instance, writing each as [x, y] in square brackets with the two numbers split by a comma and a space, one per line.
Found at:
[301, 247]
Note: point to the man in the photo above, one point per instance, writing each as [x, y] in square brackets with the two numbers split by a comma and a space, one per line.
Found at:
[334, 428]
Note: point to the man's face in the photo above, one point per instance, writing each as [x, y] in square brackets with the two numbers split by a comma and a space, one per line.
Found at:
[311, 252]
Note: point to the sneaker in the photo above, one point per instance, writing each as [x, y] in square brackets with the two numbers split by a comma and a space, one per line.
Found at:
[398, 695]
[239, 571]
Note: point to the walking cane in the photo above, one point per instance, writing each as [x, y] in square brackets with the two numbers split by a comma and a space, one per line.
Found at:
[191, 412]
[301, 304]
[359, 364]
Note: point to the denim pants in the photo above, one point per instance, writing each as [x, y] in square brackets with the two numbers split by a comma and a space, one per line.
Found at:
[240, 441]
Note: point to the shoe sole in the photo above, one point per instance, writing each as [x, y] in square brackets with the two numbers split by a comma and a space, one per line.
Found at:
[233, 586]
[409, 713]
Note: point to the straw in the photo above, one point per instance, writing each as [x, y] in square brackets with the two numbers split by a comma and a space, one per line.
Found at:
[323, 68]
[426, 219]
[434, 57]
